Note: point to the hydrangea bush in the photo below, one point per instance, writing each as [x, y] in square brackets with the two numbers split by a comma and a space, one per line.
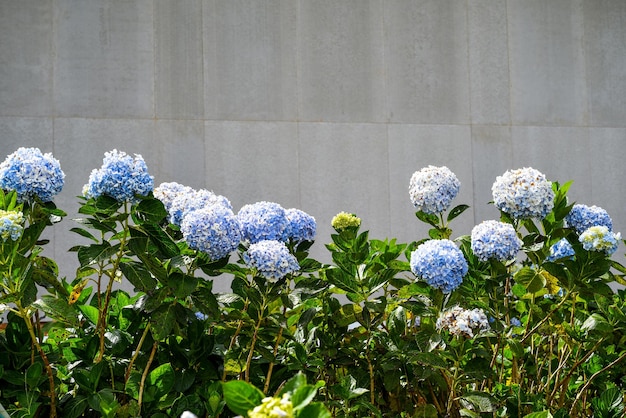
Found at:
[516, 319]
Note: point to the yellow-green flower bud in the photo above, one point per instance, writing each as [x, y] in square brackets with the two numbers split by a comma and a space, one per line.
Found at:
[344, 220]
[273, 408]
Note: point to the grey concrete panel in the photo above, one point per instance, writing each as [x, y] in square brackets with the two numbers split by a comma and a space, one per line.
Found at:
[250, 162]
[179, 88]
[607, 171]
[562, 154]
[547, 63]
[26, 64]
[82, 144]
[180, 153]
[26, 132]
[344, 168]
[605, 53]
[413, 147]
[341, 62]
[492, 156]
[104, 58]
[488, 62]
[426, 57]
[250, 60]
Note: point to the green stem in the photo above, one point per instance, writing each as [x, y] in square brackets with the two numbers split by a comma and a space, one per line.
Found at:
[144, 375]
[136, 353]
[252, 344]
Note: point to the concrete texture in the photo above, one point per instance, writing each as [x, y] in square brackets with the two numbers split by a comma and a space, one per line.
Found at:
[323, 105]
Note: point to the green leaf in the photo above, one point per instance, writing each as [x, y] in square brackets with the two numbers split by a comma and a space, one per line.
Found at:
[456, 211]
[138, 276]
[96, 252]
[610, 404]
[425, 411]
[84, 233]
[347, 314]
[183, 284]
[151, 210]
[241, 397]
[542, 414]
[293, 384]
[75, 407]
[596, 322]
[90, 312]
[314, 410]
[33, 375]
[481, 402]
[531, 279]
[163, 241]
[163, 379]
[428, 218]
[303, 396]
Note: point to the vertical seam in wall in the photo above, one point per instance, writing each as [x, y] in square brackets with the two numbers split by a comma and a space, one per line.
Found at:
[508, 65]
[469, 104]
[386, 114]
[203, 116]
[154, 64]
[298, 145]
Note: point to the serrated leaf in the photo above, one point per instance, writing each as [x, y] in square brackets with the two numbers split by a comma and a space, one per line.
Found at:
[138, 276]
[428, 218]
[90, 312]
[531, 279]
[84, 233]
[163, 379]
[596, 322]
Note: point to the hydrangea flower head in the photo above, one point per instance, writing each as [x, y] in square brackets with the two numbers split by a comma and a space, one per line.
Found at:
[167, 192]
[345, 220]
[187, 200]
[561, 249]
[121, 177]
[600, 238]
[300, 226]
[271, 259]
[582, 217]
[214, 230]
[31, 173]
[273, 407]
[495, 240]
[440, 263]
[432, 189]
[11, 225]
[463, 322]
[523, 193]
[262, 221]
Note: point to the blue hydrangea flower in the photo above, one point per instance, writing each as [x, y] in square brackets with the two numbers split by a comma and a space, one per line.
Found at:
[11, 225]
[495, 240]
[214, 230]
[121, 177]
[523, 193]
[188, 200]
[300, 226]
[432, 189]
[462, 322]
[271, 259]
[167, 192]
[31, 173]
[561, 249]
[600, 238]
[439, 263]
[583, 217]
[516, 322]
[263, 221]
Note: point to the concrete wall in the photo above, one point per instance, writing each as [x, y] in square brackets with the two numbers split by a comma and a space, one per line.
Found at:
[324, 105]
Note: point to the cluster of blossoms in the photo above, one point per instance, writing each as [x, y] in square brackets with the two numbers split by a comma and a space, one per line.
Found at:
[214, 230]
[180, 200]
[583, 217]
[300, 226]
[121, 177]
[432, 189]
[562, 249]
[495, 240]
[271, 259]
[463, 322]
[273, 407]
[440, 263]
[344, 220]
[32, 174]
[11, 225]
[262, 221]
[600, 238]
[523, 194]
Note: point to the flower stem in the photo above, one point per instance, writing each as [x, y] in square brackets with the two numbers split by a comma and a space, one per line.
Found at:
[145, 373]
[136, 353]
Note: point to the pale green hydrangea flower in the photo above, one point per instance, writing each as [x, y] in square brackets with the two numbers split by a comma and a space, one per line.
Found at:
[273, 408]
[600, 238]
[344, 220]
[11, 225]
